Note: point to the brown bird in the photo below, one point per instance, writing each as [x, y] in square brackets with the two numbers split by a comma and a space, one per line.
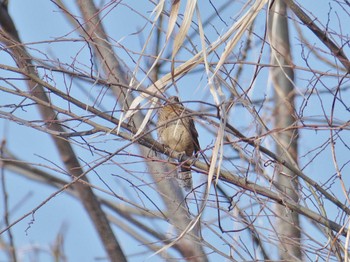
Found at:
[177, 131]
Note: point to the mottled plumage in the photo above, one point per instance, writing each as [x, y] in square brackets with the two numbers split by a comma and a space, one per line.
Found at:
[177, 131]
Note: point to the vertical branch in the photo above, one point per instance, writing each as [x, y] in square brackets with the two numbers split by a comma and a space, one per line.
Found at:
[282, 76]
[117, 72]
[12, 248]
[9, 36]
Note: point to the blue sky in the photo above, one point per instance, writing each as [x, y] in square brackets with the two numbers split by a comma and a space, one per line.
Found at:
[40, 20]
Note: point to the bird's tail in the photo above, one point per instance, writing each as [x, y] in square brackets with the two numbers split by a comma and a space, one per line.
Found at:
[185, 178]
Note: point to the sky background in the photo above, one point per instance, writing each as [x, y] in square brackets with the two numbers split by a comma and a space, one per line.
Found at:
[41, 20]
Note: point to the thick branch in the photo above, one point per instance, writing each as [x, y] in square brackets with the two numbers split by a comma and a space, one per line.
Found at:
[68, 157]
[322, 35]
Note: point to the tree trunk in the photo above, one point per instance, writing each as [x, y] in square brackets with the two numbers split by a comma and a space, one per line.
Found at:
[283, 77]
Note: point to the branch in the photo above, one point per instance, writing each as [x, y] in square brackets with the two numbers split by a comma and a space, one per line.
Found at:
[322, 35]
[148, 142]
[23, 59]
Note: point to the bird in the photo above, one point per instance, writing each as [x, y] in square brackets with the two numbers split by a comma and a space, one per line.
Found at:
[177, 131]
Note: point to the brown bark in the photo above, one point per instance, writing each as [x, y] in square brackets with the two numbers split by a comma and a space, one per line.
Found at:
[9, 36]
